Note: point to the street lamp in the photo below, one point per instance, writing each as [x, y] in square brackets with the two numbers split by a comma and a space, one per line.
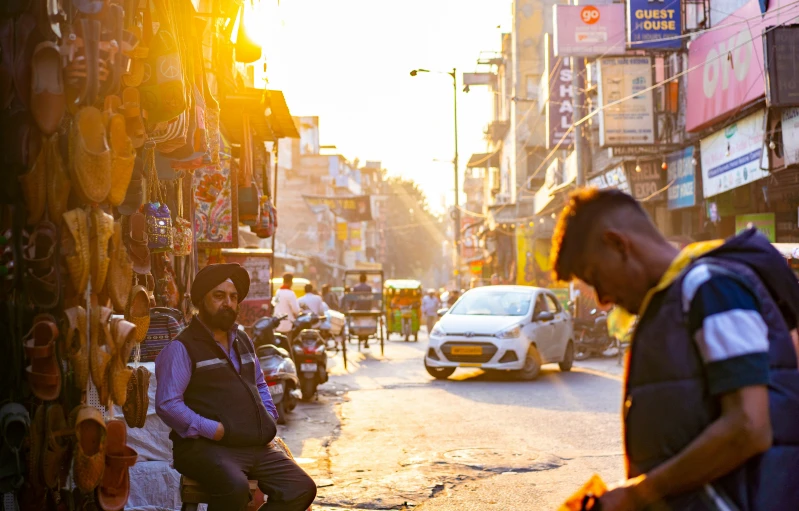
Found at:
[457, 215]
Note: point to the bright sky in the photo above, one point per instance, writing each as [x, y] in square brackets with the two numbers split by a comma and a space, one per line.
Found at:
[348, 61]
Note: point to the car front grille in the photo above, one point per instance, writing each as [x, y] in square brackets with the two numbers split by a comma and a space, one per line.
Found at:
[489, 350]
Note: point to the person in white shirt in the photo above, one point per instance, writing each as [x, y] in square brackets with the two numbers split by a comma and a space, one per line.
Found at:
[285, 303]
[313, 302]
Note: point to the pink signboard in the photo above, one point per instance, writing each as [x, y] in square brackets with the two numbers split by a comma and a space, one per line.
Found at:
[726, 63]
[589, 30]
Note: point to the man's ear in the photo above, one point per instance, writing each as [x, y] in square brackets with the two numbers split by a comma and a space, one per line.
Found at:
[617, 242]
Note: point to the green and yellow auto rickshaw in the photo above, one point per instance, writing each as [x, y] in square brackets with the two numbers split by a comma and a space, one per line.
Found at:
[403, 299]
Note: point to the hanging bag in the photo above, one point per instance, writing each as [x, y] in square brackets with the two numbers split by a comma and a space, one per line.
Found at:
[182, 233]
[158, 217]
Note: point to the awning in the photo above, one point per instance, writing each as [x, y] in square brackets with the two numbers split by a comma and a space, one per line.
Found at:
[484, 160]
[270, 118]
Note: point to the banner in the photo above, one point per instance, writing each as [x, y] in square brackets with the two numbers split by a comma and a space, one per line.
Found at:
[532, 258]
[357, 208]
[764, 222]
[654, 24]
[559, 103]
[681, 178]
[589, 30]
[632, 121]
[732, 157]
[613, 178]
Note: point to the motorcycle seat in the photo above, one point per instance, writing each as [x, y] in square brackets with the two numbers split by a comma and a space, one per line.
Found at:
[271, 350]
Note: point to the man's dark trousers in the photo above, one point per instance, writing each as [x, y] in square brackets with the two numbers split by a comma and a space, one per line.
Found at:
[224, 473]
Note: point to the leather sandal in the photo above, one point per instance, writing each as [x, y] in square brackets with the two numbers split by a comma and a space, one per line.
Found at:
[119, 457]
[42, 275]
[15, 423]
[77, 349]
[58, 183]
[48, 100]
[44, 373]
[89, 459]
[139, 251]
[123, 334]
[56, 448]
[34, 183]
[37, 446]
[138, 311]
[91, 169]
[75, 246]
[123, 159]
[100, 350]
[131, 109]
[120, 272]
[130, 408]
[143, 379]
[134, 49]
[102, 229]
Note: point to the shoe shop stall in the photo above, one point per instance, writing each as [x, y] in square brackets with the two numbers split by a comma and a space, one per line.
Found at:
[127, 158]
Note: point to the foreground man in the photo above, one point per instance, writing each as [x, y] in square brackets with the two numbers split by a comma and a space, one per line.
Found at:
[711, 409]
[211, 392]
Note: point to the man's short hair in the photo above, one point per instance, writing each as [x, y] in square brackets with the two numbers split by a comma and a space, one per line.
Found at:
[308, 288]
[362, 278]
[288, 279]
[585, 208]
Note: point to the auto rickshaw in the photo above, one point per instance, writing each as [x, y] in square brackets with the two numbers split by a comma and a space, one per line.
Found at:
[403, 300]
[363, 306]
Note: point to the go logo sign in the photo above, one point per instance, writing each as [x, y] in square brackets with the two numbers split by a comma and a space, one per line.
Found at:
[731, 57]
[589, 14]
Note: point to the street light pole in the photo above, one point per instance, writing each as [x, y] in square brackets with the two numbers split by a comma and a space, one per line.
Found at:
[457, 215]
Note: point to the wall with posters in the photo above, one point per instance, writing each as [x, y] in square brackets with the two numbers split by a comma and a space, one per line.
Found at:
[589, 30]
[731, 157]
[630, 122]
[681, 179]
[653, 25]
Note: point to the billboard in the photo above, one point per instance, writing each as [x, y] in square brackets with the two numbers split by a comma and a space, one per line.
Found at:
[732, 156]
[654, 24]
[646, 181]
[681, 179]
[632, 121]
[589, 30]
[560, 98]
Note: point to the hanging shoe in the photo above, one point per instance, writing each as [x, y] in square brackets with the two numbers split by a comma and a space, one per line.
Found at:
[89, 459]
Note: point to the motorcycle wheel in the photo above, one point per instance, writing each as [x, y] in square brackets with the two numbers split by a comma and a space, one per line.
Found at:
[581, 354]
[281, 411]
[291, 401]
[308, 389]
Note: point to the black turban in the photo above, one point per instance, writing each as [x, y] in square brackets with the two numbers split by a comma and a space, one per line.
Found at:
[213, 275]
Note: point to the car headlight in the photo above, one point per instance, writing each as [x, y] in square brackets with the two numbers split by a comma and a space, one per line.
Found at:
[510, 333]
[437, 332]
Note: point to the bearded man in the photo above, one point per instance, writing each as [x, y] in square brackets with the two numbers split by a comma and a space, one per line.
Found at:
[211, 392]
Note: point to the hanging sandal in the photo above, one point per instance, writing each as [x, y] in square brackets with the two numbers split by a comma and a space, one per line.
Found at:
[91, 169]
[123, 158]
[48, 100]
[100, 350]
[89, 459]
[44, 373]
[124, 335]
[77, 351]
[119, 457]
[134, 49]
[15, 422]
[42, 275]
[100, 235]
[56, 448]
[76, 248]
[37, 447]
[131, 407]
[143, 379]
[139, 251]
[131, 108]
[138, 311]
[120, 272]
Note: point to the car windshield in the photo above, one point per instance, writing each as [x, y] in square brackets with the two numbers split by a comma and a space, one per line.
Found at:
[496, 303]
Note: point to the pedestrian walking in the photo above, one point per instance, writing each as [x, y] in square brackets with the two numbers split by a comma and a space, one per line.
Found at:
[711, 401]
[430, 307]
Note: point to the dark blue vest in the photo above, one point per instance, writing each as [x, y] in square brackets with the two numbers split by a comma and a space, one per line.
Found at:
[667, 404]
[218, 392]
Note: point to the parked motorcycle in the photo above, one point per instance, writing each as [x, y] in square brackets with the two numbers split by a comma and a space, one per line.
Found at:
[310, 353]
[591, 335]
[277, 363]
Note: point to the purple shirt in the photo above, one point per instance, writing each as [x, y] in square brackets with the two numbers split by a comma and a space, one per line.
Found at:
[172, 375]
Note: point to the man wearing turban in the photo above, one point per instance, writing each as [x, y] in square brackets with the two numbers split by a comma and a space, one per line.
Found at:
[212, 393]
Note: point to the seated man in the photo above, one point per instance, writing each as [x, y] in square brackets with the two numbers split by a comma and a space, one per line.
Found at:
[211, 392]
[313, 302]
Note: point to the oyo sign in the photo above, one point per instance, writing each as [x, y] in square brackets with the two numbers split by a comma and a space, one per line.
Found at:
[726, 72]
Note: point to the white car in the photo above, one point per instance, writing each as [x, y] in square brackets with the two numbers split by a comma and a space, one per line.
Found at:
[507, 328]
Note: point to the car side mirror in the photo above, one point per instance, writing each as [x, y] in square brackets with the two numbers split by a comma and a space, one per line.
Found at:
[441, 312]
[544, 316]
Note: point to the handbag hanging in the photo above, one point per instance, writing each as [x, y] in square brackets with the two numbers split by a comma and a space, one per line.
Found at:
[182, 234]
[157, 215]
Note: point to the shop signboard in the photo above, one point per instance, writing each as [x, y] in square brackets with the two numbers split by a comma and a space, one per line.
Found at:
[726, 63]
[782, 66]
[732, 156]
[357, 208]
[631, 121]
[654, 24]
[613, 178]
[589, 30]
[647, 180]
[559, 104]
[790, 135]
[764, 222]
[681, 179]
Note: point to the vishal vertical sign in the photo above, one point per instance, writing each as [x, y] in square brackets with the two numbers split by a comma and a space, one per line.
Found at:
[654, 24]
[560, 99]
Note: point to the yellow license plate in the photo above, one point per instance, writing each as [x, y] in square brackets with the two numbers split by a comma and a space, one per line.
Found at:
[467, 350]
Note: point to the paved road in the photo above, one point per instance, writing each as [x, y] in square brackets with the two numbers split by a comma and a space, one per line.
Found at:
[386, 435]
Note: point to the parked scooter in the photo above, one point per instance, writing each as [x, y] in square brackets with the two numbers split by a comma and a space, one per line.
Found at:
[277, 363]
[591, 335]
[309, 350]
